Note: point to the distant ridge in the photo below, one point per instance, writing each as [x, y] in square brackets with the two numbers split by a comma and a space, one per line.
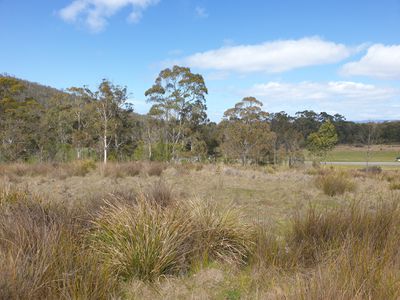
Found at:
[37, 91]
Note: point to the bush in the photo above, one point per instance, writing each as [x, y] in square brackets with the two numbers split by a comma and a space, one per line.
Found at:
[335, 183]
[394, 186]
[155, 169]
[80, 167]
[372, 170]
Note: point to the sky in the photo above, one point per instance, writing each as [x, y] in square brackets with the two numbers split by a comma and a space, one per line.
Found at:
[293, 55]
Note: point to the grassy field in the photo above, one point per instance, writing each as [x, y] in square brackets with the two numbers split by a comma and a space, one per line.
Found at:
[378, 153]
[155, 231]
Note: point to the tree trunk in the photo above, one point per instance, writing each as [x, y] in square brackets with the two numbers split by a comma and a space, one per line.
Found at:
[105, 147]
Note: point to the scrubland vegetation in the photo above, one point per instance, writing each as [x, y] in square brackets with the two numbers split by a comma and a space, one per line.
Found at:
[145, 230]
[98, 202]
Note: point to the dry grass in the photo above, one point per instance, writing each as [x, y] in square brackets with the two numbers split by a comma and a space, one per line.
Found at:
[42, 253]
[94, 237]
[55, 170]
[155, 168]
[335, 183]
[145, 240]
[394, 185]
[122, 170]
[160, 193]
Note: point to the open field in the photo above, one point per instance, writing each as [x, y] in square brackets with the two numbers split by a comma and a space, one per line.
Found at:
[378, 153]
[268, 233]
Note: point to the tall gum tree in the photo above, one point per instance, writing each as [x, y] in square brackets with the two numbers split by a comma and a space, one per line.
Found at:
[178, 98]
[246, 132]
[106, 101]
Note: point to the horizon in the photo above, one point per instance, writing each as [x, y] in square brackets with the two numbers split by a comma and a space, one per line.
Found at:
[336, 57]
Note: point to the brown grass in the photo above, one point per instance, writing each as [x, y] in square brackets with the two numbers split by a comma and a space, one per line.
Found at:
[136, 237]
[155, 168]
[122, 170]
[335, 183]
[42, 253]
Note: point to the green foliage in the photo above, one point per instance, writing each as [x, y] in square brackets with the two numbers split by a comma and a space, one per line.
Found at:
[178, 98]
[323, 141]
[245, 133]
[140, 152]
[39, 124]
[394, 186]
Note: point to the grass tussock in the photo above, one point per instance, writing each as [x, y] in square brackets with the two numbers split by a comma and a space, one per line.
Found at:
[155, 168]
[43, 253]
[219, 234]
[142, 240]
[335, 183]
[146, 240]
[160, 193]
[348, 252]
[394, 185]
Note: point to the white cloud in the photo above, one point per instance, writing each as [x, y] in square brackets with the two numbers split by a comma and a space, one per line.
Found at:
[353, 99]
[380, 61]
[94, 13]
[272, 57]
[201, 12]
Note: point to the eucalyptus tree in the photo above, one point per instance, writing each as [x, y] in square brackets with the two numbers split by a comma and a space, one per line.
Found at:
[246, 132]
[106, 102]
[288, 139]
[178, 98]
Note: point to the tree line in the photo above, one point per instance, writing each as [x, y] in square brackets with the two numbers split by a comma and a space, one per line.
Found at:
[42, 124]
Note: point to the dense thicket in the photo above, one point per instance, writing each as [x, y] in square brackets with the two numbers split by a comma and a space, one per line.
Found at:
[39, 123]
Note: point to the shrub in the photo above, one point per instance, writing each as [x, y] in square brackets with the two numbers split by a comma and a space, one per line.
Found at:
[394, 186]
[155, 169]
[335, 183]
[372, 170]
[81, 167]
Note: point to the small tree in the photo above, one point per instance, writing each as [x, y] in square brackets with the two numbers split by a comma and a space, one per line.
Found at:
[368, 135]
[321, 142]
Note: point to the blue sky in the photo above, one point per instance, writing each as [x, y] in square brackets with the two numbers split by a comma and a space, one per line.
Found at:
[335, 56]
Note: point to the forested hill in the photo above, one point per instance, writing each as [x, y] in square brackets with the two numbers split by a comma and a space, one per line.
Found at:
[32, 90]
[44, 94]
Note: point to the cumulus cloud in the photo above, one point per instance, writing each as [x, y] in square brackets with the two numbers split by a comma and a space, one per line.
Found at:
[380, 61]
[354, 99]
[94, 13]
[272, 57]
